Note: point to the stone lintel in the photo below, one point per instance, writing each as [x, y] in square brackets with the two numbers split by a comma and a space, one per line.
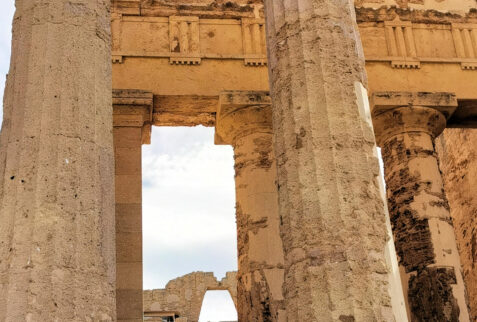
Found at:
[227, 10]
[134, 108]
[240, 113]
[446, 103]
[184, 110]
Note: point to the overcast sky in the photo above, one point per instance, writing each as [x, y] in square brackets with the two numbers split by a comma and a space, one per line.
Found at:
[188, 201]
[189, 210]
[6, 15]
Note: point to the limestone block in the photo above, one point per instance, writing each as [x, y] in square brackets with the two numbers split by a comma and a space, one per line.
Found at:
[129, 189]
[128, 160]
[127, 219]
[130, 302]
[129, 275]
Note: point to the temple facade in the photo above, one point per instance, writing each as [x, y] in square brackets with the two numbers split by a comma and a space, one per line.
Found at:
[305, 92]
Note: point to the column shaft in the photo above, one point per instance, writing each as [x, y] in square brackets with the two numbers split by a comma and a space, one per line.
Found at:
[333, 218]
[458, 160]
[57, 166]
[128, 153]
[420, 217]
[244, 120]
[260, 249]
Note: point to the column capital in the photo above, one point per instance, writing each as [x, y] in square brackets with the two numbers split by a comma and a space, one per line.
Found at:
[400, 112]
[241, 113]
[133, 108]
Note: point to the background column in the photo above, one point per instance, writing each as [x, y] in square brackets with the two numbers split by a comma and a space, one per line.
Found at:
[244, 120]
[57, 166]
[406, 126]
[333, 216]
[457, 151]
[132, 115]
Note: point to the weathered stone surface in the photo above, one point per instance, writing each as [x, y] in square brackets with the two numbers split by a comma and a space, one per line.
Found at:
[56, 232]
[132, 117]
[184, 295]
[204, 8]
[57, 258]
[406, 125]
[127, 146]
[458, 160]
[454, 7]
[331, 213]
[422, 38]
[244, 120]
[431, 295]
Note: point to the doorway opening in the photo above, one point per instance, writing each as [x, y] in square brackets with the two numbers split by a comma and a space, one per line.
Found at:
[188, 205]
[218, 306]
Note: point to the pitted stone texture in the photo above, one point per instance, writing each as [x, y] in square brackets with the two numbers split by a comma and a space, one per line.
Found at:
[331, 212]
[244, 119]
[185, 294]
[260, 249]
[419, 211]
[57, 258]
[431, 288]
[202, 8]
[458, 160]
[450, 6]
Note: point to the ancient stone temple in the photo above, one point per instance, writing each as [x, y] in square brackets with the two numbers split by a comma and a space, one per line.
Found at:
[304, 91]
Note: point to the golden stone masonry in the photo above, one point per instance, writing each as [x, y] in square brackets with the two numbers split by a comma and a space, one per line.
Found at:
[304, 91]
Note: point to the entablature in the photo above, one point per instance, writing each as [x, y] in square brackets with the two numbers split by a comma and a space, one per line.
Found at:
[405, 42]
[186, 40]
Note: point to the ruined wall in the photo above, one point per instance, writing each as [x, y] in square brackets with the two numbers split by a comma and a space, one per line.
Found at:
[458, 160]
[186, 294]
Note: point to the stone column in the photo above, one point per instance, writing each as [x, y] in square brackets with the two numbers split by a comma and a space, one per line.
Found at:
[57, 166]
[132, 119]
[406, 125]
[457, 150]
[332, 213]
[244, 121]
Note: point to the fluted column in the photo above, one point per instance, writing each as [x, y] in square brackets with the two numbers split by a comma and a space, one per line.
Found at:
[406, 125]
[57, 260]
[333, 216]
[457, 150]
[244, 121]
[132, 128]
